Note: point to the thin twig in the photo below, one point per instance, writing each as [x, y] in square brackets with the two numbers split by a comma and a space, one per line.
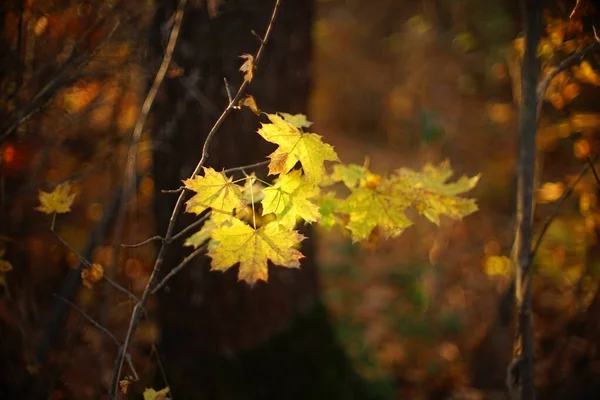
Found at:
[90, 319]
[245, 167]
[573, 59]
[178, 190]
[137, 310]
[594, 171]
[559, 204]
[178, 268]
[140, 244]
[121, 288]
[191, 226]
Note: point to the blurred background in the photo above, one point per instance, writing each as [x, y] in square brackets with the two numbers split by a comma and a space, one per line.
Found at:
[401, 83]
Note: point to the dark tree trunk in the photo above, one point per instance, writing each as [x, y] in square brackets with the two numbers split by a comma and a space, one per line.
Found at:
[222, 339]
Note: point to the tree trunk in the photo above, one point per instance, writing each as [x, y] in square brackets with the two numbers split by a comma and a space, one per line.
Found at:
[221, 338]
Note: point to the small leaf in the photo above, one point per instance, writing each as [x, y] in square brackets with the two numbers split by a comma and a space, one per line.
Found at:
[252, 248]
[151, 394]
[329, 205]
[247, 67]
[58, 201]
[91, 275]
[249, 102]
[298, 120]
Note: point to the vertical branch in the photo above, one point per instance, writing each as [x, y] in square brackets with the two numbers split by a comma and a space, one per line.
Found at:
[523, 346]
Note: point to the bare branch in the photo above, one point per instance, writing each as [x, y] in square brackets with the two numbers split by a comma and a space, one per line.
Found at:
[140, 244]
[245, 167]
[568, 62]
[139, 307]
[191, 226]
[178, 268]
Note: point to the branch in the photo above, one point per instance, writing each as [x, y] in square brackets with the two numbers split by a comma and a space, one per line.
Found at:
[559, 204]
[178, 268]
[139, 307]
[568, 62]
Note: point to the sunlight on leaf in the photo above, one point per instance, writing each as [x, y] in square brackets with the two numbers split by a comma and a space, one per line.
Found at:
[298, 120]
[296, 146]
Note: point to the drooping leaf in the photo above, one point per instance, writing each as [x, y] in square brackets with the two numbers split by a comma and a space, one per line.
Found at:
[298, 120]
[214, 190]
[252, 248]
[249, 102]
[58, 201]
[296, 146]
[289, 198]
[247, 67]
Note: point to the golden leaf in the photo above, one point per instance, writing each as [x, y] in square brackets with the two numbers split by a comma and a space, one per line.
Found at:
[58, 201]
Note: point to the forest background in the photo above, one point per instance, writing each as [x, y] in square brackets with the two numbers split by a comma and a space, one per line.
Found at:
[425, 315]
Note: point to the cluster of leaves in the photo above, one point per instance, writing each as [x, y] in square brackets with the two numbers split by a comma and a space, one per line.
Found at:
[253, 222]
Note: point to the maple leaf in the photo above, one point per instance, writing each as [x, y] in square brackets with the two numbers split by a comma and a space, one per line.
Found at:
[214, 190]
[58, 201]
[296, 146]
[252, 248]
[298, 120]
[432, 195]
[289, 198]
[247, 67]
[369, 207]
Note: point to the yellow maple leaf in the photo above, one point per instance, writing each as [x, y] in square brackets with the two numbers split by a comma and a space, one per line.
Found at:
[252, 248]
[289, 198]
[296, 146]
[431, 194]
[369, 207]
[214, 190]
[247, 67]
[57, 201]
